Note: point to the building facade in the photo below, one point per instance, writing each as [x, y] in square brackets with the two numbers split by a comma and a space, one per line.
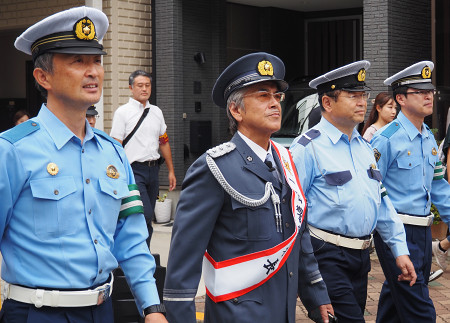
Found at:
[185, 44]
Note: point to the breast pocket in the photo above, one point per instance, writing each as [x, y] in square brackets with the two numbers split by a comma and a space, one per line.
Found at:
[51, 203]
[252, 223]
[114, 190]
[408, 168]
[337, 192]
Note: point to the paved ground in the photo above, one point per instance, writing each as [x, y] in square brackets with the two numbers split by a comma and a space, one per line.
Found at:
[439, 289]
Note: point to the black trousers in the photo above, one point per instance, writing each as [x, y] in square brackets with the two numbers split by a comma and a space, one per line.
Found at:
[17, 312]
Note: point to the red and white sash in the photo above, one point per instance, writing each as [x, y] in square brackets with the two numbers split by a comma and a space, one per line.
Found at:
[237, 276]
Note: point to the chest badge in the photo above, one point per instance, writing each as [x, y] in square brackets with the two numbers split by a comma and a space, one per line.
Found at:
[112, 172]
[52, 169]
[433, 151]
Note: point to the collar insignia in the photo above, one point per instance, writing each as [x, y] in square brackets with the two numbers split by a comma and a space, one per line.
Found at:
[265, 68]
[112, 172]
[52, 169]
[433, 151]
[84, 29]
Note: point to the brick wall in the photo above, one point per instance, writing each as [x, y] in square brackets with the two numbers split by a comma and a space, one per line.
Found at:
[128, 43]
[395, 36]
[15, 14]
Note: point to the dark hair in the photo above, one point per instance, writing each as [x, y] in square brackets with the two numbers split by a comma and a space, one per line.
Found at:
[400, 90]
[332, 94]
[136, 74]
[19, 114]
[381, 99]
[44, 62]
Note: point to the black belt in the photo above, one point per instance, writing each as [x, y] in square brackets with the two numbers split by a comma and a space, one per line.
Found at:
[149, 163]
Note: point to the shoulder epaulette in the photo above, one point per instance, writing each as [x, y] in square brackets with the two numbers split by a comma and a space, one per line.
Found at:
[20, 131]
[221, 150]
[308, 136]
[391, 129]
[106, 136]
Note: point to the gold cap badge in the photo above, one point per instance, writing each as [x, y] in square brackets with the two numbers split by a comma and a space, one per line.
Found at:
[265, 68]
[112, 172]
[52, 169]
[84, 29]
[433, 151]
[426, 72]
[362, 75]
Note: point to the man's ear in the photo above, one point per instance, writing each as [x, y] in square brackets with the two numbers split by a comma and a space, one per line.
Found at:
[326, 103]
[400, 99]
[130, 87]
[42, 78]
[235, 111]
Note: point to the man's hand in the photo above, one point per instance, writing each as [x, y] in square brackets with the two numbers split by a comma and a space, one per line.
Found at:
[406, 266]
[324, 309]
[320, 314]
[172, 181]
[155, 318]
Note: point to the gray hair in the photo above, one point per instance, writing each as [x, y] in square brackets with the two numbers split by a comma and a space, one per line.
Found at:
[238, 98]
[136, 74]
[45, 63]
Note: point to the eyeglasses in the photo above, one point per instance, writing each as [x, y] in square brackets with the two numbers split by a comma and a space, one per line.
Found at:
[423, 93]
[265, 96]
[356, 97]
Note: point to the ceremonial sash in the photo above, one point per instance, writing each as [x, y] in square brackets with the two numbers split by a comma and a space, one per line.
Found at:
[234, 277]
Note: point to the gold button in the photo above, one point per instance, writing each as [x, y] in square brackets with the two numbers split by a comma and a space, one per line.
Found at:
[88, 181]
[56, 192]
[409, 153]
[34, 124]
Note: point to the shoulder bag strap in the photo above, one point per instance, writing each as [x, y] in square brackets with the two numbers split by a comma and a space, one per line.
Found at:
[127, 139]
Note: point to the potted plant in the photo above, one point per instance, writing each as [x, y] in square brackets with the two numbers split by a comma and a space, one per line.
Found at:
[439, 228]
[163, 208]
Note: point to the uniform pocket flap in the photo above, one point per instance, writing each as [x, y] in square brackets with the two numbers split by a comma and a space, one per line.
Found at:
[374, 174]
[338, 178]
[116, 188]
[52, 188]
[408, 162]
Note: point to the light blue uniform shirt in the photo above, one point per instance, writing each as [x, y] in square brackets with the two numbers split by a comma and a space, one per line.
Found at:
[407, 162]
[343, 195]
[62, 231]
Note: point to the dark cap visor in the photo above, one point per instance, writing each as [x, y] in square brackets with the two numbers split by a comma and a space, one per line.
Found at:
[356, 89]
[421, 86]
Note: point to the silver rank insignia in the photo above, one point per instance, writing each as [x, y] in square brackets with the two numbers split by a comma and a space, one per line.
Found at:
[112, 172]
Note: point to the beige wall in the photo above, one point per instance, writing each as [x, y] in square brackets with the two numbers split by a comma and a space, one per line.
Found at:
[128, 43]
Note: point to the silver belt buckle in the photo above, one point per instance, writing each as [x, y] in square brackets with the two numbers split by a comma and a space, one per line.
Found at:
[103, 294]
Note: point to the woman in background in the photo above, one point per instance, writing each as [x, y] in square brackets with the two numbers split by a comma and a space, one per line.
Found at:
[383, 111]
[20, 116]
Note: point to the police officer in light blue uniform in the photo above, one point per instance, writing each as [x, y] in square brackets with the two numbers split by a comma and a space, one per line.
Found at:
[70, 212]
[235, 206]
[406, 153]
[346, 202]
